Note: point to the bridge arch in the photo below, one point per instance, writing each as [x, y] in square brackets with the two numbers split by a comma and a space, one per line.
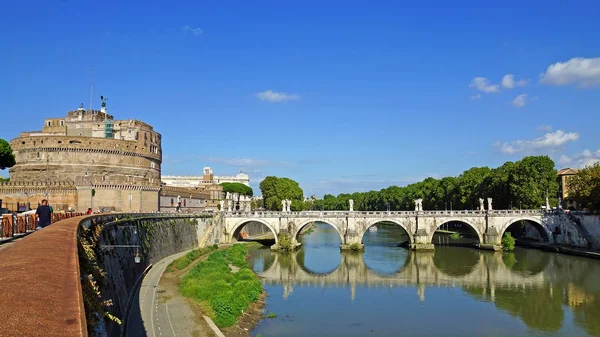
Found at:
[303, 224]
[395, 221]
[539, 225]
[461, 220]
[240, 224]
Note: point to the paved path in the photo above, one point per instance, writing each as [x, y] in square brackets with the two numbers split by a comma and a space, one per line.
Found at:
[161, 312]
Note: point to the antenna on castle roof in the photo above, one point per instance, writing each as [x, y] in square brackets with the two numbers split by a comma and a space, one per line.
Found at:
[92, 89]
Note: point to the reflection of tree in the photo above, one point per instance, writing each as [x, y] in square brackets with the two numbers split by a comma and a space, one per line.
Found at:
[587, 315]
[526, 261]
[455, 262]
[536, 307]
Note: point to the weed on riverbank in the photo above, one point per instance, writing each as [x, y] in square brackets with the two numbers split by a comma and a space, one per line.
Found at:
[192, 256]
[223, 293]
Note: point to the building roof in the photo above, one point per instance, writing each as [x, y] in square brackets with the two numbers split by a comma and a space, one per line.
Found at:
[567, 171]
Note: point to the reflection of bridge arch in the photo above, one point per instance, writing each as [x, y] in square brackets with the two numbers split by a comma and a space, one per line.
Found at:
[395, 272]
[420, 269]
[239, 225]
[303, 266]
[456, 219]
[394, 221]
[303, 224]
[539, 226]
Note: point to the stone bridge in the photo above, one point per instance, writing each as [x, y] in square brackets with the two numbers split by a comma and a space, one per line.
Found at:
[420, 226]
[486, 271]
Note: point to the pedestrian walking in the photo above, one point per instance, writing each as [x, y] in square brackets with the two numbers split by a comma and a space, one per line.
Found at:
[44, 214]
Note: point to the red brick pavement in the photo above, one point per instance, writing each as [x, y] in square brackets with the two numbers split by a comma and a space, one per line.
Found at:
[40, 288]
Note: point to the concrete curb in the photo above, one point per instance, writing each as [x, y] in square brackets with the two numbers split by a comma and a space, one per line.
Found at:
[213, 326]
[130, 300]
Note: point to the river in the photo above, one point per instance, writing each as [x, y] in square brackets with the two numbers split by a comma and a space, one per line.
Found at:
[454, 291]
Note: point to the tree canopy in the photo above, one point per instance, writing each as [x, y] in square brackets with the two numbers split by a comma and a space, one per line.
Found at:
[585, 187]
[7, 159]
[237, 188]
[275, 189]
[524, 183]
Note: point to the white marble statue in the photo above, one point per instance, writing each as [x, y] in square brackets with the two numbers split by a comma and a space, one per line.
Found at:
[560, 203]
[547, 204]
[283, 205]
[481, 205]
[490, 208]
[229, 206]
[416, 205]
[351, 202]
[420, 205]
[222, 204]
[289, 205]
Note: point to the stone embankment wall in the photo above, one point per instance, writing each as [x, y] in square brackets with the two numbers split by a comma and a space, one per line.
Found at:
[590, 225]
[154, 237]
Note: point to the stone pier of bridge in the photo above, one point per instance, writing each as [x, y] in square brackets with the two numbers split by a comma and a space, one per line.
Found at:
[488, 225]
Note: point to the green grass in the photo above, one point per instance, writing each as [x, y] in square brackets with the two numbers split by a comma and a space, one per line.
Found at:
[272, 315]
[223, 293]
[187, 259]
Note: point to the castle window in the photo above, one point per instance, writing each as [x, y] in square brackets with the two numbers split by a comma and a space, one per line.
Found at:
[62, 123]
[152, 164]
[60, 142]
[49, 123]
[23, 143]
[74, 142]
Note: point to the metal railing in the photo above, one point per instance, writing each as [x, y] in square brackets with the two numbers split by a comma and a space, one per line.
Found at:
[17, 225]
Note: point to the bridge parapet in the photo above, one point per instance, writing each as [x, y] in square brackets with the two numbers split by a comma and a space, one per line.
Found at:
[376, 214]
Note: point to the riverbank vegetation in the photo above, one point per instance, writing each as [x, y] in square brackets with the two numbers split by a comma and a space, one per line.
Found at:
[187, 259]
[522, 184]
[585, 187]
[224, 285]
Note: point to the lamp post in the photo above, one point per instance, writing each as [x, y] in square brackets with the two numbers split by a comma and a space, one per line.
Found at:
[91, 191]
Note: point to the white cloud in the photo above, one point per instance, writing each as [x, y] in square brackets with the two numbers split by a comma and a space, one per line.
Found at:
[508, 81]
[583, 159]
[275, 97]
[584, 71]
[520, 100]
[545, 128]
[484, 85]
[193, 31]
[549, 142]
[476, 96]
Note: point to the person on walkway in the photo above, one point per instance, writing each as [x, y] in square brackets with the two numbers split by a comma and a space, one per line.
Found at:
[89, 211]
[44, 213]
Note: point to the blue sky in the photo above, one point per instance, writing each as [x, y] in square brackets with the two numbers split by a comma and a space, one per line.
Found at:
[340, 96]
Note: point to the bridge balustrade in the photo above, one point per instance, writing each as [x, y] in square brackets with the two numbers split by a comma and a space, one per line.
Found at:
[325, 214]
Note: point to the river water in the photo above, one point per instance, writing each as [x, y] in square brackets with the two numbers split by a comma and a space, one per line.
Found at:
[454, 291]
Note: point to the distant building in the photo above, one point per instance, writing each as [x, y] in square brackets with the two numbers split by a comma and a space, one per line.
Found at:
[206, 179]
[563, 176]
[211, 182]
[86, 159]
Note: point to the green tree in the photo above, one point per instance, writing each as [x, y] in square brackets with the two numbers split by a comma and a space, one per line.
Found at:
[275, 189]
[237, 190]
[7, 158]
[585, 187]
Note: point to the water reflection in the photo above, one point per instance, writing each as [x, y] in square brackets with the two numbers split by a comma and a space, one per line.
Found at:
[388, 289]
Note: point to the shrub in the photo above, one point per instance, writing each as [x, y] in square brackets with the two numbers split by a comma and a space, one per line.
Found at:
[285, 242]
[508, 242]
[355, 246]
[455, 236]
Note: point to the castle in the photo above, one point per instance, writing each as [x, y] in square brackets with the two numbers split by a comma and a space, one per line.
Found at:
[86, 159]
